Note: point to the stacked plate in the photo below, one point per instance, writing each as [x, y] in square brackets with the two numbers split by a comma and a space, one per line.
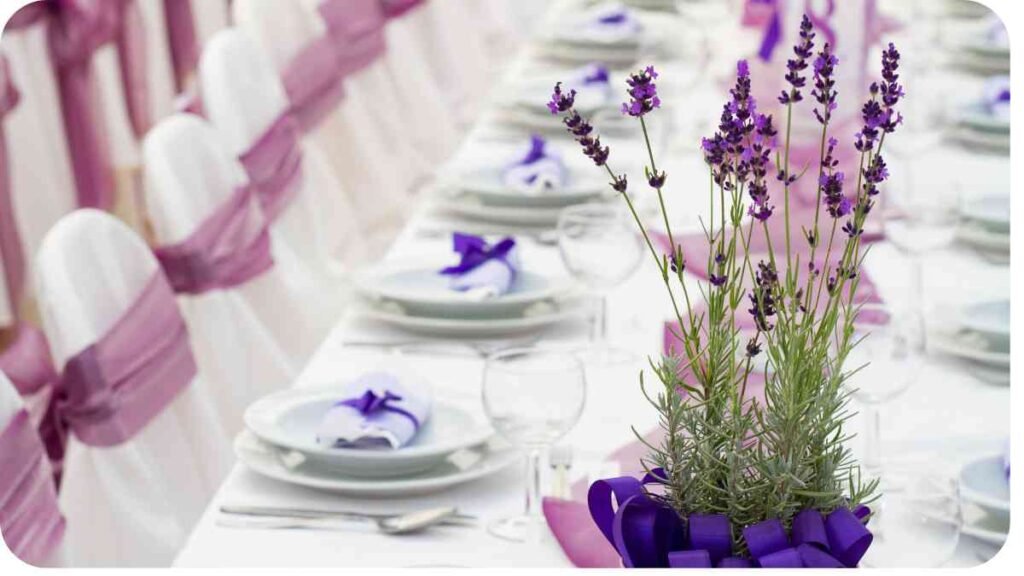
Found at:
[985, 226]
[985, 49]
[984, 485]
[453, 447]
[981, 125]
[966, 9]
[574, 38]
[980, 333]
[417, 298]
[475, 189]
[525, 106]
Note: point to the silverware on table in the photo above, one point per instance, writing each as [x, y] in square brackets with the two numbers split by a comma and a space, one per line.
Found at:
[276, 511]
[394, 524]
[481, 349]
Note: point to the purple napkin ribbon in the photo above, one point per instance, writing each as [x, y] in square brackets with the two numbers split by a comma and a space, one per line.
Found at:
[997, 96]
[370, 403]
[475, 251]
[595, 74]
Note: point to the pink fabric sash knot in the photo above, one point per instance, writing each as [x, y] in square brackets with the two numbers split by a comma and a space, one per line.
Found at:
[274, 165]
[396, 8]
[110, 390]
[11, 252]
[30, 518]
[229, 248]
[356, 28]
[76, 29]
[27, 362]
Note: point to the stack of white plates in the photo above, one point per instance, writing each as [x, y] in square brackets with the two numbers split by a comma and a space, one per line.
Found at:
[526, 105]
[980, 52]
[985, 491]
[571, 40]
[417, 298]
[454, 446]
[977, 127]
[966, 9]
[980, 333]
[985, 226]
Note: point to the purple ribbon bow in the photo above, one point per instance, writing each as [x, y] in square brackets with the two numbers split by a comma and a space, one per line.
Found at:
[370, 403]
[597, 74]
[772, 30]
[475, 251]
[617, 17]
[649, 534]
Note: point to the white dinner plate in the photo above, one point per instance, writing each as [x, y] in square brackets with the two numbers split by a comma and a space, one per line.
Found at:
[991, 141]
[991, 212]
[486, 187]
[993, 366]
[616, 56]
[472, 208]
[289, 420]
[983, 483]
[423, 291]
[988, 529]
[989, 319]
[976, 236]
[536, 317]
[462, 467]
[976, 117]
[981, 63]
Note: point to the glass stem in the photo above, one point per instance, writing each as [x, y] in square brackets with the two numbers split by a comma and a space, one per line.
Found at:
[872, 440]
[533, 494]
[598, 325]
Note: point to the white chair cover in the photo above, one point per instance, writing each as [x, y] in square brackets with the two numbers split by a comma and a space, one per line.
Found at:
[132, 504]
[360, 145]
[42, 185]
[243, 96]
[251, 340]
[10, 404]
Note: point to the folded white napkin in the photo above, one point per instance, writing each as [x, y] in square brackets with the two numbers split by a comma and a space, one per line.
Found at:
[377, 411]
[484, 271]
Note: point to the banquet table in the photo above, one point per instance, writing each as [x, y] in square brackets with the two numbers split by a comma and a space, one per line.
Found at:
[947, 418]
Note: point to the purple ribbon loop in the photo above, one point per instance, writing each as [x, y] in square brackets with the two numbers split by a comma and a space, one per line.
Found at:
[475, 251]
[772, 31]
[647, 533]
[370, 403]
[598, 74]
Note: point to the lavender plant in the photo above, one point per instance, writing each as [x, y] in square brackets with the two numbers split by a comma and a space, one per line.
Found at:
[723, 452]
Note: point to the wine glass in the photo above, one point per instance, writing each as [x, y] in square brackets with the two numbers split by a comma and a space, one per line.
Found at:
[601, 248]
[884, 362]
[918, 527]
[533, 397]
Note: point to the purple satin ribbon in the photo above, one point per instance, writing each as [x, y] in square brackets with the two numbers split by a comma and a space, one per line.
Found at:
[649, 534]
[112, 389]
[229, 248]
[274, 165]
[76, 30]
[356, 30]
[27, 361]
[30, 517]
[181, 40]
[370, 403]
[599, 75]
[614, 18]
[13, 255]
[475, 251]
[396, 8]
[772, 28]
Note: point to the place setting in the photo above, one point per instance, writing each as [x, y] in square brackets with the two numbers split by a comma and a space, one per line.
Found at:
[984, 226]
[982, 46]
[523, 182]
[609, 32]
[985, 122]
[977, 333]
[985, 494]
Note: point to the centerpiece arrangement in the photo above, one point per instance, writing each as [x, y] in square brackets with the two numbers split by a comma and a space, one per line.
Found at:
[739, 481]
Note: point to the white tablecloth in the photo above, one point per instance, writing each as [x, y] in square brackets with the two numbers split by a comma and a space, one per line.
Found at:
[947, 419]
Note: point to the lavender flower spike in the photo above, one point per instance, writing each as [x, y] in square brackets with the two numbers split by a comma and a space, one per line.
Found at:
[643, 93]
[796, 66]
[561, 102]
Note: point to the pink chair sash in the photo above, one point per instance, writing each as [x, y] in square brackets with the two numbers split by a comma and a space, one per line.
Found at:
[76, 29]
[109, 391]
[314, 82]
[274, 165]
[229, 248]
[10, 240]
[181, 39]
[27, 362]
[356, 28]
[30, 518]
[396, 8]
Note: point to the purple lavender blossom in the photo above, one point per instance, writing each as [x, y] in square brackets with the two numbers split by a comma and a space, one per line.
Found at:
[824, 84]
[762, 297]
[796, 66]
[561, 102]
[832, 194]
[582, 130]
[643, 93]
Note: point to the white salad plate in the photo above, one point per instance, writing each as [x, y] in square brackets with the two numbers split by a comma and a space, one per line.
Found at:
[534, 318]
[424, 291]
[458, 468]
[983, 483]
[487, 188]
[289, 420]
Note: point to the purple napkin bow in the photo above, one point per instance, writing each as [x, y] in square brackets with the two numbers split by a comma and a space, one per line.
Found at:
[482, 268]
[997, 96]
[380, 411]
[537, 170]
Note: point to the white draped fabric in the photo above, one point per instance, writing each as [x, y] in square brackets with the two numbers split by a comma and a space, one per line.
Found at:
[249, 340]
[243, 96]
[131, 504]
[42, 185]
[359, 153]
